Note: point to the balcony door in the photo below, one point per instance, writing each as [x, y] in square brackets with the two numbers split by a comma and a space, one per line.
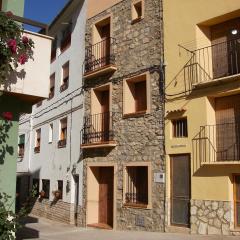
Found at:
[228, 128]
[102, 48]
[105, 115]
[226, 48]
[180, 190]
[237, 199]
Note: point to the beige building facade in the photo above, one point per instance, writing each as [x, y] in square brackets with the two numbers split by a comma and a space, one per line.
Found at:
[202, 56]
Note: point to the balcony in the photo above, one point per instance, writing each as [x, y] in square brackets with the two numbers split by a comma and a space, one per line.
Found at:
[217, 144]
[97, 131]
[217, 63]
[100, 59]
[30, 82]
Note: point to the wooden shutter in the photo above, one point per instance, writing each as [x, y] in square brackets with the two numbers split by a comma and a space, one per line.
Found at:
[225, 51]
[140, 96]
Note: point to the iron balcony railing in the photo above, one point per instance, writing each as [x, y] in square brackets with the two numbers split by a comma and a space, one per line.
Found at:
[213, 62]
[97, 128]
[217, 143]
[99, 55]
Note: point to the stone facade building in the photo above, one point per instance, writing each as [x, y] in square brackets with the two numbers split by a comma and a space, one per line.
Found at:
[122, 139]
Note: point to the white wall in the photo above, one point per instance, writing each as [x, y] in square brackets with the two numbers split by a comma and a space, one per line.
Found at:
[52, 162]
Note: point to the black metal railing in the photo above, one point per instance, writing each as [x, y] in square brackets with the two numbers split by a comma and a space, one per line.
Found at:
[99, 55]
[213, 62]
[136, 198]
[97, 128]
[217, 143]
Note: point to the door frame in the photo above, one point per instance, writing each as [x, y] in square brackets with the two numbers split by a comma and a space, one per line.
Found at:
[171, 188]
[103, 164]
[234, 200]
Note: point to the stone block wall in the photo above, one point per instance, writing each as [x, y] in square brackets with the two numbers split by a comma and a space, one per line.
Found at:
[138, 49]
[210, 217]
[57, 211]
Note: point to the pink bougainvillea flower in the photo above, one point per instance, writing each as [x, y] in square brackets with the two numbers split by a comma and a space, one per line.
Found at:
[25, 40]
[9, 14]
[22, 59]
[12, 44]
[7, 115]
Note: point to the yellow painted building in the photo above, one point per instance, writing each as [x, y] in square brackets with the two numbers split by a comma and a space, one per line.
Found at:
[202, 128]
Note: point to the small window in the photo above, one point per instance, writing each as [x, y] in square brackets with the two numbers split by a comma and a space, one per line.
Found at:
[60, 188]
[45, 188]
[63, 133]
[135, 96]
[66, 38]
[52, 86]
[180, 128]
[54, 50]
[50, 133]
[65, 77]
[35, 186]
[37, 141]
[136, 186]
[39, 104]
[137, 10]
[21, 145]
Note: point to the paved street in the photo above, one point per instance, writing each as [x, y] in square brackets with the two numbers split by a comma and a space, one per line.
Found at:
[39, 228]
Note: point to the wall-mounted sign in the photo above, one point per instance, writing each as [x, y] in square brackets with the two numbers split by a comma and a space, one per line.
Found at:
[159, 177]
[178, 145]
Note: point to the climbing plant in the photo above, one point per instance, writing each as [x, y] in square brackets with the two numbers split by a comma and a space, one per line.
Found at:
[15, 47]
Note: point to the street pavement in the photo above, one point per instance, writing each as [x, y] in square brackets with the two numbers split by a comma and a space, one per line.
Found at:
[43, 229]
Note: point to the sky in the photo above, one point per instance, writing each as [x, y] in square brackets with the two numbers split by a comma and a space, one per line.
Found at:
[42, 10]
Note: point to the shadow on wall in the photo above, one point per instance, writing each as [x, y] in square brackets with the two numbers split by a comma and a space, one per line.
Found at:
[4, 136]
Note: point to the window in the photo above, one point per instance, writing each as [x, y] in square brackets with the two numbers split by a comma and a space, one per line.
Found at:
[65, 77]
[50, 138]
[46, 188]
[21, 145]
[63, 133]
[137, 10]
[52, 86]
[60, 188]
[54, 50]
[37, 140]
[35, 186]
[136, 189]
[136, 95]
[66, 38]
[180, 128]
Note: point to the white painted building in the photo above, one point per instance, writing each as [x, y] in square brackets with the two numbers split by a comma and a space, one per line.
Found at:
[51, 132]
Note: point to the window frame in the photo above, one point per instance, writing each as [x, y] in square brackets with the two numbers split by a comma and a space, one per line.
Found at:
[20, 146]
[62, 142]
[149, 184]
[50, 133]
[46, 196]
[37, 144]
[64, 82]
[134, 14]
[52, 92]
[129, 100]
[173, 136]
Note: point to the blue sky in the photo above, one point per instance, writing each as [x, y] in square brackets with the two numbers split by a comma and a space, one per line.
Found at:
[42, 10]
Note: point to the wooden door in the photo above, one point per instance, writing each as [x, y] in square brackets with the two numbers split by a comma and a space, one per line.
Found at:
[180, 190]
[237, 200]
[140, 96]
[228, 127]
[105, 115]
[226, 48]
[106, 195]
[76, 197]
[105, 35]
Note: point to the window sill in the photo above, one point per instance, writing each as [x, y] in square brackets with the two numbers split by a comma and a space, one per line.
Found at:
[137, 206]
[136, 20]
[135, 114]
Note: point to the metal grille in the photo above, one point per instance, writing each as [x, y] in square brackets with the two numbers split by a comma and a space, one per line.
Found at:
[99, 55]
